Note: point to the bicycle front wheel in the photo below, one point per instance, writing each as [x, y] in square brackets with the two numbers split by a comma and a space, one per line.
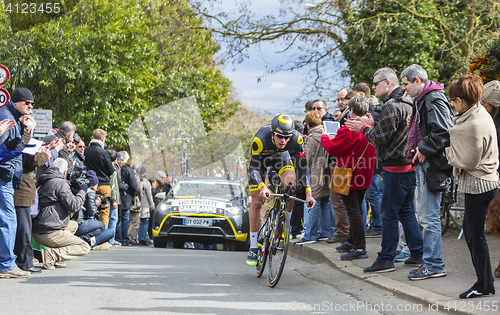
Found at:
[278, 248]
[263, 250]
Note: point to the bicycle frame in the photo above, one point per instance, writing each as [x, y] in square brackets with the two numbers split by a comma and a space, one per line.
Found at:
[273, 237]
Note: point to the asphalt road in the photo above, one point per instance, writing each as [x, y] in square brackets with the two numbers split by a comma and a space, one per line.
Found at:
[147, 280]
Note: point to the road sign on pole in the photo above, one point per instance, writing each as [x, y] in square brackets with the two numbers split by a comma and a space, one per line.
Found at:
[4, 97]
[4, 74]
[43, 118]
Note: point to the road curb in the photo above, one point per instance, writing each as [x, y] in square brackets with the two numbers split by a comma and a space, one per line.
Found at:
[319, 253]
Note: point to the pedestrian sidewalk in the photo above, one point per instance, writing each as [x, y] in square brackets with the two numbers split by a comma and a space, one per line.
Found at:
[443, 291]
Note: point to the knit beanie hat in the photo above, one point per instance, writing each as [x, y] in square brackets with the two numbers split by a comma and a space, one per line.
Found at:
[142, 170]
[92, 177]
[21, 94]
[491, 93]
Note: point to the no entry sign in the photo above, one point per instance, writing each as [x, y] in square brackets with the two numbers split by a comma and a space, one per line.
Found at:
[4, 97]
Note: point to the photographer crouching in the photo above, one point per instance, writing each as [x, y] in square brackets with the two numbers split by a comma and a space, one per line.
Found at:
[90, 229]
[52, 226]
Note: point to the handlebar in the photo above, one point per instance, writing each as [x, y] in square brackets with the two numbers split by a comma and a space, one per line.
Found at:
[287, 196]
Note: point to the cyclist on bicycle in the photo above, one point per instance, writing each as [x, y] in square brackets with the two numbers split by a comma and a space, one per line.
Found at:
[273, 145]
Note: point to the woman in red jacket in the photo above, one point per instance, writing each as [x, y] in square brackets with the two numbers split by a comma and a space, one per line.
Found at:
[349, 147]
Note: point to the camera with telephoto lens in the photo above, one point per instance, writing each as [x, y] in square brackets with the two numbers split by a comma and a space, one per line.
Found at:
[77, 178]
[105, 201]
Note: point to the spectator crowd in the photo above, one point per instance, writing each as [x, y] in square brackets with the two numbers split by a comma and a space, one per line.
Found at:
[60, 199]
[401, 153]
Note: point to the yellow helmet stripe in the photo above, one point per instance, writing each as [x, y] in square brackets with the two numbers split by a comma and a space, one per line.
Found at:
[284, 119]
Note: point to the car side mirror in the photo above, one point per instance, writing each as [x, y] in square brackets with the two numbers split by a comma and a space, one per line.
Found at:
[161, 195]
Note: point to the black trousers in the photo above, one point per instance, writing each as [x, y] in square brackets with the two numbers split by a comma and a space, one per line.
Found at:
[23, 248]
[353, 206]
[297, 214]
[476, 207]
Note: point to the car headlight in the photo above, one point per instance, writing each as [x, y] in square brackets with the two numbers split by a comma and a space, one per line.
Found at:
[234, 210]
[163, 207]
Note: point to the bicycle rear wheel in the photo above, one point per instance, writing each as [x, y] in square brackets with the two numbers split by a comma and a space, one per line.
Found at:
[263, 250]
[278, 248]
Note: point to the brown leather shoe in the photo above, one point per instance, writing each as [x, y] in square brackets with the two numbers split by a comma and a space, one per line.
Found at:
[48, 261]
[15, 273]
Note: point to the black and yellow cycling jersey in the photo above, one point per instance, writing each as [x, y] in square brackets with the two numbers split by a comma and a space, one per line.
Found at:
[265, 154]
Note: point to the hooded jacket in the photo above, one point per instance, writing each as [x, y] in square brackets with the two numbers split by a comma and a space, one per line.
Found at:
[433, 112]
[55, 203]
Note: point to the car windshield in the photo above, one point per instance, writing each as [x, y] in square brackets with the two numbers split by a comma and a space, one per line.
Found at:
[202, 189]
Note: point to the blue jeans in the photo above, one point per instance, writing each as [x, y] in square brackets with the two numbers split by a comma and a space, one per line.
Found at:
[374, 197]
[143, 229]
[122, 227]
[333, 228]
[306, 216]
[319, 215]
[8, 226]
[428, 212]
[113, 217]
[397, 202]
[89, 228]
[94, 228]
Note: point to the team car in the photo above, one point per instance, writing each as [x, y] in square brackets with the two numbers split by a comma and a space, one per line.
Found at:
[203, 210]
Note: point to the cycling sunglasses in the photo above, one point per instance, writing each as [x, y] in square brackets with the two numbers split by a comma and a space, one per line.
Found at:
[282, 136]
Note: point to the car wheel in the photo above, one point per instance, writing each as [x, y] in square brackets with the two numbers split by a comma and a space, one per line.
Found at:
[178, 244]
[159, 242]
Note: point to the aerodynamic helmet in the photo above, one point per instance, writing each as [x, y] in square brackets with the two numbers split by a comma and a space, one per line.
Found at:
[282, 125]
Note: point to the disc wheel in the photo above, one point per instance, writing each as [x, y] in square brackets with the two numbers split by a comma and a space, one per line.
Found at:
[278, 248]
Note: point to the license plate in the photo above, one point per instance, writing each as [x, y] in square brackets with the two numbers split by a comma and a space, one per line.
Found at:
[194, 221]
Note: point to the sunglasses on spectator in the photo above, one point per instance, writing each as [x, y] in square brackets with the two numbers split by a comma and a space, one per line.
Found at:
[377, 82]
[317, 108]
[282, 137]
[29, 103]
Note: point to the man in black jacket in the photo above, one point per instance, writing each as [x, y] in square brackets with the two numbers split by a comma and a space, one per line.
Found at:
[390, 137]
[98, 160]
[431, 121]
[52, 226]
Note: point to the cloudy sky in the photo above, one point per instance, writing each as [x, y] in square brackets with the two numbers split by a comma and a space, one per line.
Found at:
[274, 93]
